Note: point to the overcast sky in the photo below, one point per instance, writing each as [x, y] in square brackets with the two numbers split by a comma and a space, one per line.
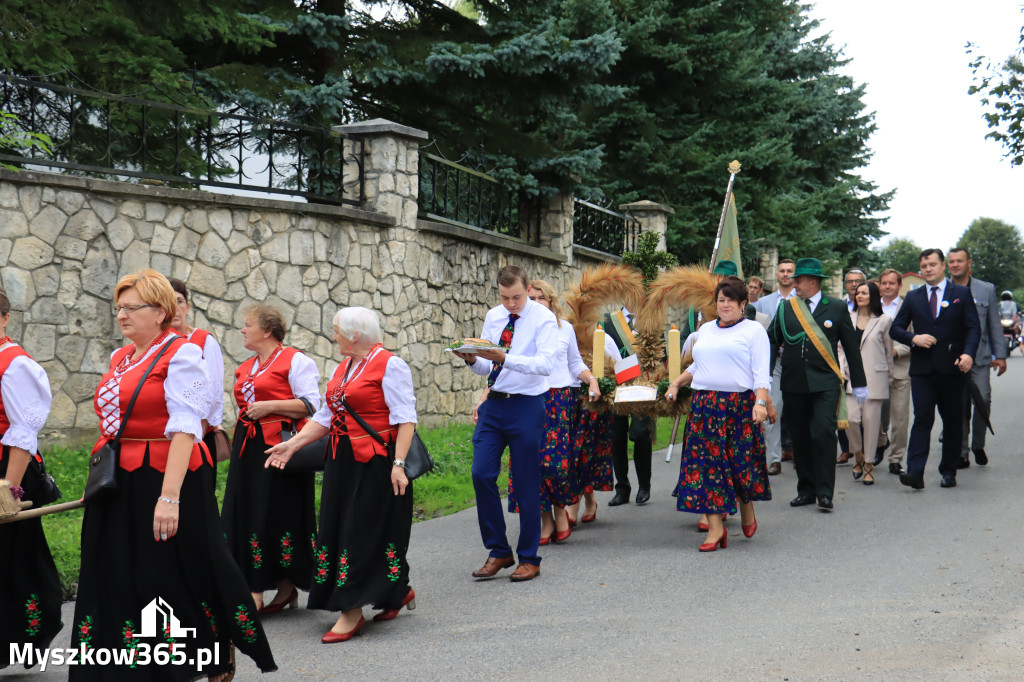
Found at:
[930, 144]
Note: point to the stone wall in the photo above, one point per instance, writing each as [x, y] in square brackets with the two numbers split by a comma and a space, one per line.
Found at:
[65, 241]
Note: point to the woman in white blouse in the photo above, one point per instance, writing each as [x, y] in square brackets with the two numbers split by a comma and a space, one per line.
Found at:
[30, 594]
[213, 358]
[723, 460]
[269, 516]
[154, 543]
[366, 501]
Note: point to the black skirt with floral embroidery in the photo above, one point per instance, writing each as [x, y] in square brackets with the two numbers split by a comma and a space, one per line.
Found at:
[360, 553]
[269, 517]
[30, 594]
[187, 591]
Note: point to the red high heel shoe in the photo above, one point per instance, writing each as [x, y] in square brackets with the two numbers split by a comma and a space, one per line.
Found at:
[409, 602]
[330, 637]
[290, 603]
[589, 518]
[712, 546]
[572, 521]
[751, 529]
[544, 541]
[704, 528]
[562, 536]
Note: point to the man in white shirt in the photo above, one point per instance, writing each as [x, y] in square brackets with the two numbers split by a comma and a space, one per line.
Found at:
[769, 305]
[513, 416]
[897, 408]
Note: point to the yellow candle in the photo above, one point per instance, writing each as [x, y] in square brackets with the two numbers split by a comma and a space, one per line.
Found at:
[598, 361]
[674, 354]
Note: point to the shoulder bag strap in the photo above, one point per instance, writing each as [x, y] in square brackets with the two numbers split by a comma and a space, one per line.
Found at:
[366, 427]
[131, 403]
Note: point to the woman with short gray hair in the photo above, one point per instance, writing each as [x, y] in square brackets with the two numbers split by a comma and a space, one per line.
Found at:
[366, 502]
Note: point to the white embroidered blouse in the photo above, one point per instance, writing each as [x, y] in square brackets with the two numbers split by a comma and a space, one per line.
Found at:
[26, 394]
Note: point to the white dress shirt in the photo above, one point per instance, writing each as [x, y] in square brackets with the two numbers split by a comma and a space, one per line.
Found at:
[813, 301]
[398, 394]
[26, 393]
[940, 292]
[891, 309]
[568, 363]
[531, 359]
[769, 305]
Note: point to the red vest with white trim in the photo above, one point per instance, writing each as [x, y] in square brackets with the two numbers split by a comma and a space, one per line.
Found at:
[149, 417]
[365, 394]
[270, 384]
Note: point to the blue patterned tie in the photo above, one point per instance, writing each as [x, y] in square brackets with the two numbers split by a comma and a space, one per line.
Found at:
[505, 342]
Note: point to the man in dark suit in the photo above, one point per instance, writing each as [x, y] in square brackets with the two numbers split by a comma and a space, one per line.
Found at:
[942, 349]
[811, 388]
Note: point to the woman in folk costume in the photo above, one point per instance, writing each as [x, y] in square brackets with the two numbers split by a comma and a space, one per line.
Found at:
[269, 516]
[30, 594]
[366, 503]
[559, 472]
[213, 358]
[154, 543]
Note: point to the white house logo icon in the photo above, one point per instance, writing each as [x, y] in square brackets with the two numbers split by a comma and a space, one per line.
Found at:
[158, 619]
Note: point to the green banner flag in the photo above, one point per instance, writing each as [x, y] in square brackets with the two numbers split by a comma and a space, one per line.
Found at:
[729, 249]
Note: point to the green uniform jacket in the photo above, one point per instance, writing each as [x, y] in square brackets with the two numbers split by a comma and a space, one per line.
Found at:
[803, 368]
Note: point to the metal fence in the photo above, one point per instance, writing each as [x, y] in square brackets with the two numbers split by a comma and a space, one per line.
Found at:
[602, 229]
[126, 137]
[462, 196]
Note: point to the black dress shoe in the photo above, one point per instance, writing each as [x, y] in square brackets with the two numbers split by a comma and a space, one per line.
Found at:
[620, 498]
[643, 496]
[801, 501]
[895, 468]
[825, 503]
[880, 454]
[948, 481]
[915, 482]
[963, 463]
[980, 457]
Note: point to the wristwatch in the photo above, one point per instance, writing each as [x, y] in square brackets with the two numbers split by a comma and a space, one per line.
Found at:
[400, 463]
[761, 403]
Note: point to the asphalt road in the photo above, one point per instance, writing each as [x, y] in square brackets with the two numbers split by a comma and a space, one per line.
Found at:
[893, 585]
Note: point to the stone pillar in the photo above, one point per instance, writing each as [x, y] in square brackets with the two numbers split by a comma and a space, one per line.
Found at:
[769, 265]
[391, 171]
[653, 217]
[556, 225]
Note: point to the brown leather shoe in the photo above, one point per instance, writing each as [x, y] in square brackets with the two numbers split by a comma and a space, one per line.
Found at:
[525, 572]
[774, 469]
[843, 457]
[493, 565]
[787, 455]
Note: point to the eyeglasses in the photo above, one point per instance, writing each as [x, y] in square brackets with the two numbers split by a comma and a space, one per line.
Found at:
[128, 309]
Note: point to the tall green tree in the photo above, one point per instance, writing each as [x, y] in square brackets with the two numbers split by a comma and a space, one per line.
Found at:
[1000, 88]
[899, 254]
[997, 252]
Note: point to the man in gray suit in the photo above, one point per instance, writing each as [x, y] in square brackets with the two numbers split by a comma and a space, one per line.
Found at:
[991, 353]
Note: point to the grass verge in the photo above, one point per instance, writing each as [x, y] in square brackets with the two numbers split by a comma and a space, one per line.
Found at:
[446, 490]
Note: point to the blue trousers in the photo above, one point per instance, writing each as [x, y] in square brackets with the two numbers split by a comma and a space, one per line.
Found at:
[945, 392]
[518, 423]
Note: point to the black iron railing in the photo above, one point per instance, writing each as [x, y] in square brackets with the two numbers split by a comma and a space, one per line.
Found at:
[456, 194]
[602, 229]
[125, 137]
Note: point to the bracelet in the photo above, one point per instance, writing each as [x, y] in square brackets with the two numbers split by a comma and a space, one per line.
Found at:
[761, 403]
[168, 500]
[400, 463]
[18, 492]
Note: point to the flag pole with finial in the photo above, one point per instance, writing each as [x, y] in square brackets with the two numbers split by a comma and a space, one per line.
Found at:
[734, 168]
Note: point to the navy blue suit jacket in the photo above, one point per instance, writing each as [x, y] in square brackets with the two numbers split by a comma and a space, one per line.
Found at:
[957, 328]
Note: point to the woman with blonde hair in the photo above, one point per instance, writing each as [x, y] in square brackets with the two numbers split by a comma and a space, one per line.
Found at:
[559, 472]
[154, 542]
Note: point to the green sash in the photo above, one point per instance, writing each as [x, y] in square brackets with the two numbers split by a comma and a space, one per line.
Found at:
[824, 348]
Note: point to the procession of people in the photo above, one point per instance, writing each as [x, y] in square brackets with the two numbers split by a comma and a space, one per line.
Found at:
[160, 535]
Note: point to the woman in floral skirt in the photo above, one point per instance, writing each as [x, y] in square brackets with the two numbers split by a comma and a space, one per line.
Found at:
[559, 475]
[723, 461]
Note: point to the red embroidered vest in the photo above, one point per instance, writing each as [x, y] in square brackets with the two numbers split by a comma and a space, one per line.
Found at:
[7, 356]
[270, 384]
[199, 338]
[365, 394]
[149, 416]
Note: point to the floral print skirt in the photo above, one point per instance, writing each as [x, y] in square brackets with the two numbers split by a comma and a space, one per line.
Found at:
[593, 450]
[723, 456]
[269, 517]
[559, 481]
[128, 579]
[360, 553]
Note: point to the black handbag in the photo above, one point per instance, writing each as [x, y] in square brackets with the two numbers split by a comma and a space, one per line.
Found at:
[46, 491]
[417, 462]
[310, 458]
[102, 481]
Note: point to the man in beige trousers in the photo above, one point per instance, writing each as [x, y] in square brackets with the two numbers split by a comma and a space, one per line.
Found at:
[899, 387]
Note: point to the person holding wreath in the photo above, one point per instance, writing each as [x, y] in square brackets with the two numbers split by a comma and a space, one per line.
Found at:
[155, 539]
[723, 458]
[30, 593]
[366, 502]
[275, 389]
